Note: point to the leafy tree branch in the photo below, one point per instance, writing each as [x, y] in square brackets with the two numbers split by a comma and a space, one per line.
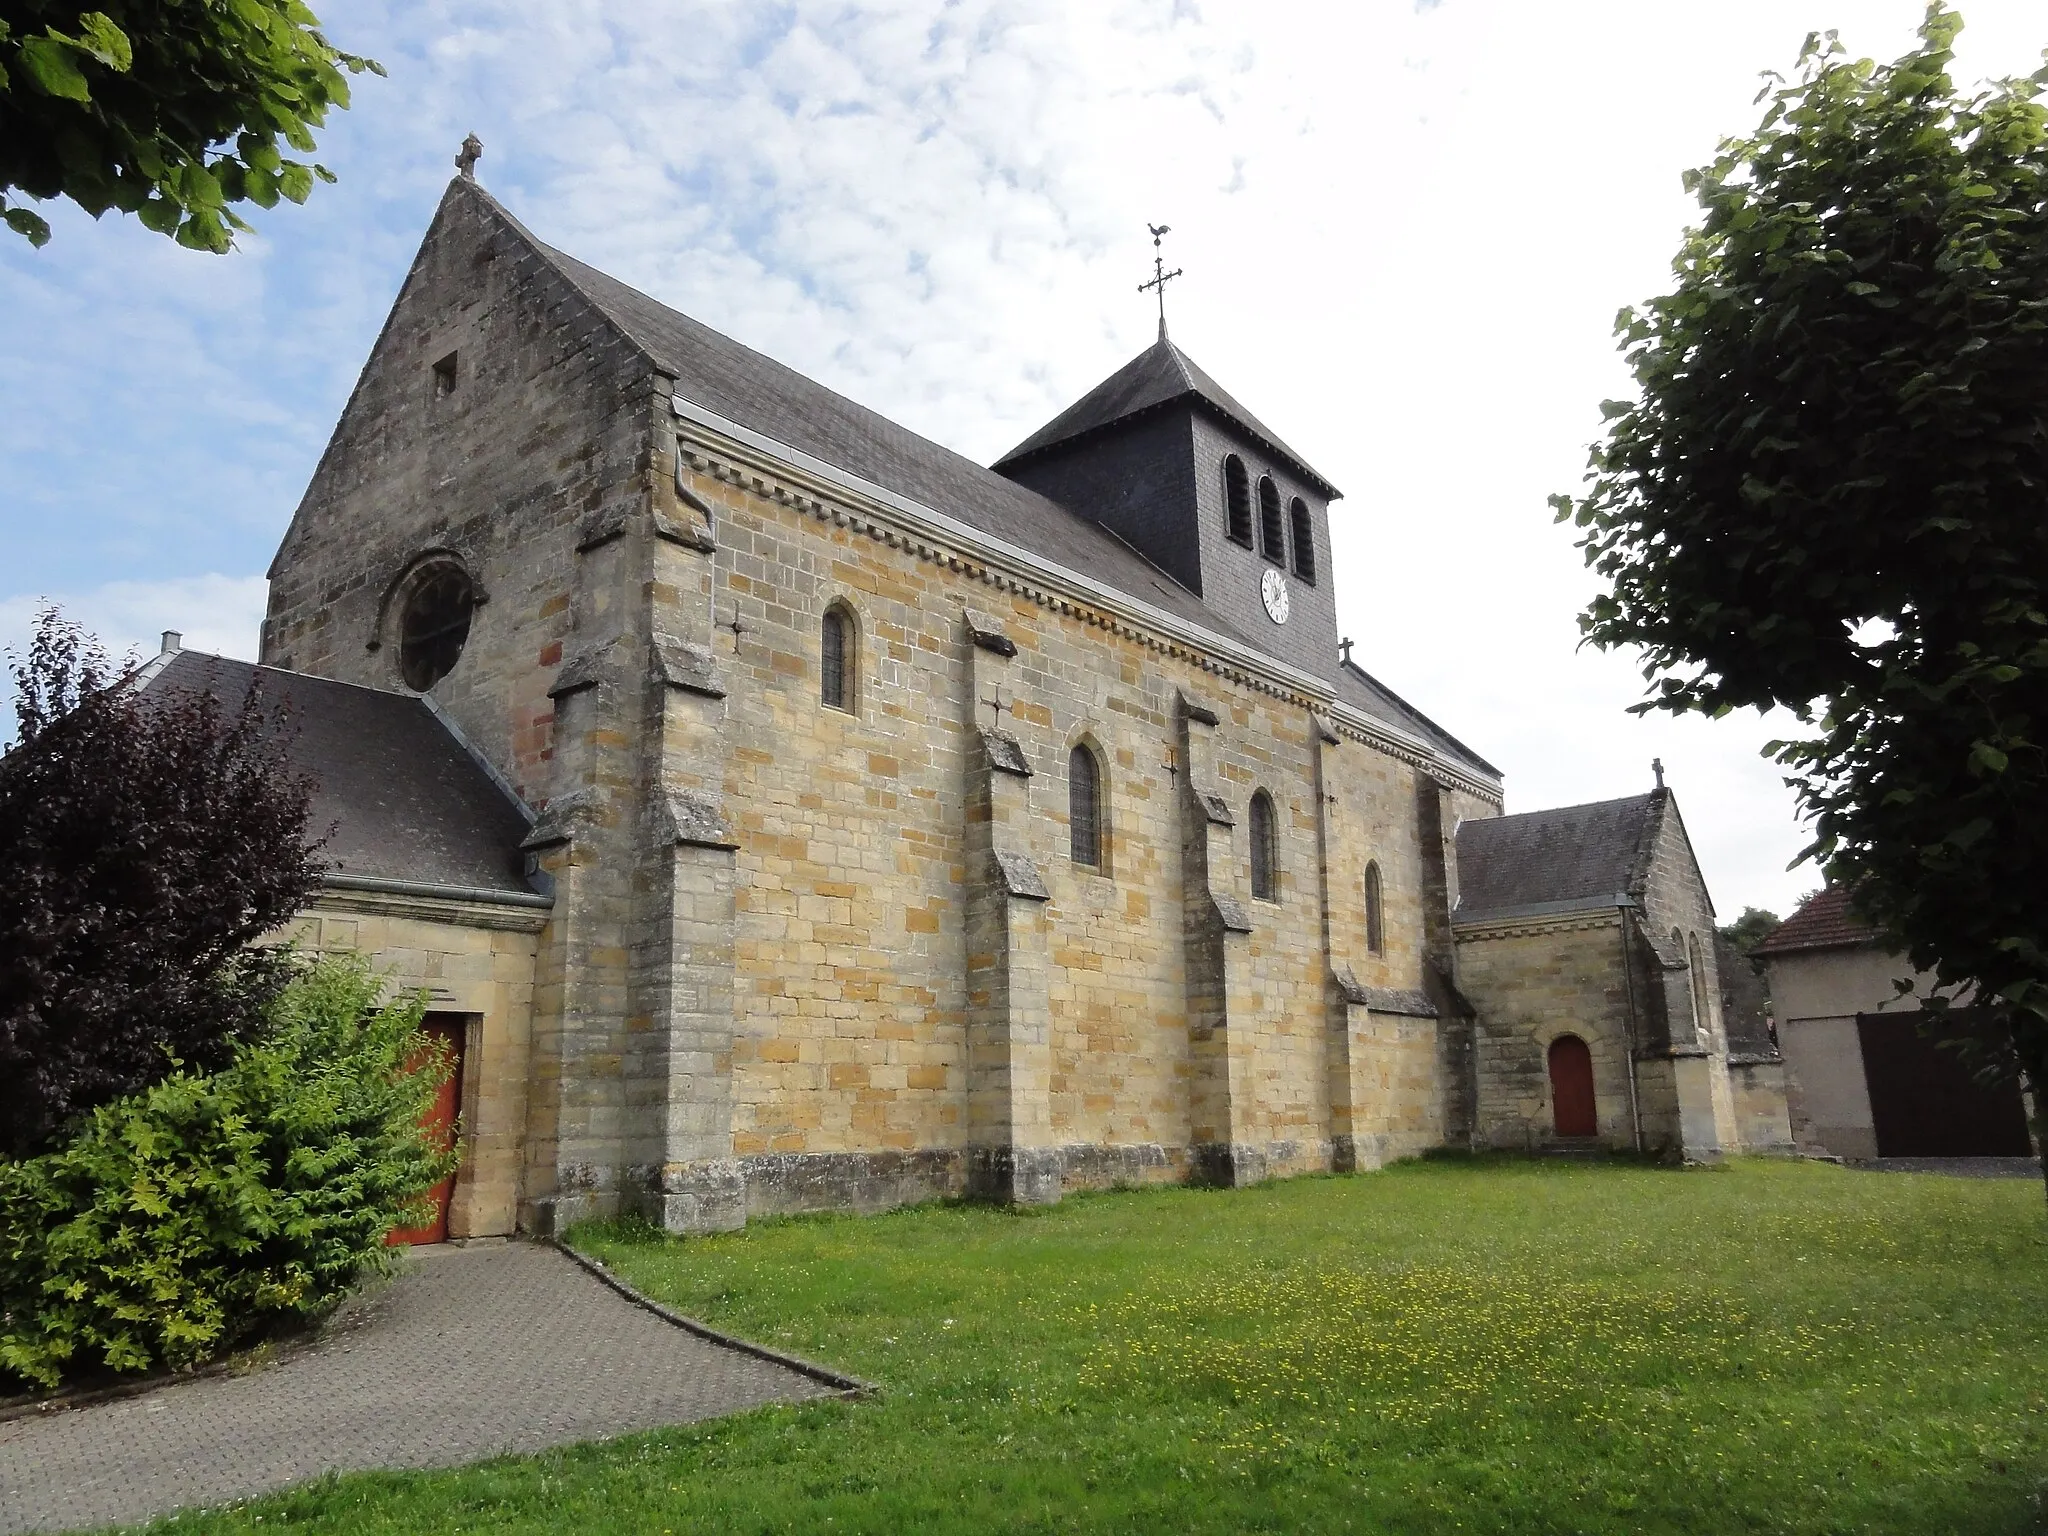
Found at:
[1831, 495]
[172, 110]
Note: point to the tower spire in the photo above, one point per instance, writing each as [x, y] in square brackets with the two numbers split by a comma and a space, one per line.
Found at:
[1160, 276]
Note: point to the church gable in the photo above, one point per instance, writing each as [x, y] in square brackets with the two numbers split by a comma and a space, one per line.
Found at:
[499, 414]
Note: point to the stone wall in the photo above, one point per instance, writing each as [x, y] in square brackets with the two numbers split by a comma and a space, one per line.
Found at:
[1533, 980]
[802, 956]
[475, 959]
[858, 881]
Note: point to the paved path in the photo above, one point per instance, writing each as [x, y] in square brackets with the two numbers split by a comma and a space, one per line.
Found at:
[468, 1353]
[1957, 1167]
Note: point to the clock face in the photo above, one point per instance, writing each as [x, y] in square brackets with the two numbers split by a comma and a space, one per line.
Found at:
[1273, 591]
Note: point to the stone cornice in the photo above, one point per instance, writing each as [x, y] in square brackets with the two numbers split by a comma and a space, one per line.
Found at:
[447, 910]
[776, 472]
[1533, 923]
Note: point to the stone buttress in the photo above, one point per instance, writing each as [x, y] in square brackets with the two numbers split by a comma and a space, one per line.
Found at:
[1011, 1154]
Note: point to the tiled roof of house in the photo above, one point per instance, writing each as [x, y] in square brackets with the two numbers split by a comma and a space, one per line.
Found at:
[1159, 376]
[1824, 921]
[396, 795]
[1584, 853]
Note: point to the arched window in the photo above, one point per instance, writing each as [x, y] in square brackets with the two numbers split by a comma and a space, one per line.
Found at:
[433, 626]
[1304, 541]
[1272, 532]
[1702, 999]
[1375, 915]
[1265, 863]
[1084, 807]
[835, 659]
[1237, 500]
[1575, 1110]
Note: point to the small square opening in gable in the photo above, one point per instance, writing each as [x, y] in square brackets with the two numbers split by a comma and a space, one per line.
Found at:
[444, 377]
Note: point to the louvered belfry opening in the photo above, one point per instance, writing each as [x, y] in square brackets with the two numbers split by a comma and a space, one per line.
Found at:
[1304, 541]
[1263, 860]
[1084, 807]
[1272, 532]
[835, 658]
[1237, 499]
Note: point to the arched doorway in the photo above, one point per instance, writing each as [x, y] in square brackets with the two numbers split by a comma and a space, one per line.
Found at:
[1571, 1087]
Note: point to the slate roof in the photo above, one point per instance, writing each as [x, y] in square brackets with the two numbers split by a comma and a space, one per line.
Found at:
[1160, 376]
[405, 799]
[742, 385]
[1825, 921]
[1362, 691]
[1588, 854]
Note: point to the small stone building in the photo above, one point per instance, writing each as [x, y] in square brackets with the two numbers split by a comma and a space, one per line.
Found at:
[865, 824]
[1867, 1078]
[1586, 949]
[421, 840]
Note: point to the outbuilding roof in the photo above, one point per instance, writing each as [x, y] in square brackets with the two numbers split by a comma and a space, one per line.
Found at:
[1585, 855]
[1160, 376]
[396, 794]
[1824, 921]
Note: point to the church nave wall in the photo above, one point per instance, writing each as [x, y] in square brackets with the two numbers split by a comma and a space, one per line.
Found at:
[855, 879]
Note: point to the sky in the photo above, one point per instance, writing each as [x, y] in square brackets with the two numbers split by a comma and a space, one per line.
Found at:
[1405, 227]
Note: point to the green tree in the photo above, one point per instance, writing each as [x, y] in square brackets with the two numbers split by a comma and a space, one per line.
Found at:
[1749, 930]
[1831, 495]
[171, 110]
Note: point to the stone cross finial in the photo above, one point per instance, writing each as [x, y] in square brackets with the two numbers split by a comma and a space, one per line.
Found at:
[472, 151]
[1657, 767]
[1344, 650]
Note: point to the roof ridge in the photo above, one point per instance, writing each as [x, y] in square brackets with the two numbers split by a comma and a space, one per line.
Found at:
[264, 666]
[1583, 805]
[1474, 757]
[1646, 842]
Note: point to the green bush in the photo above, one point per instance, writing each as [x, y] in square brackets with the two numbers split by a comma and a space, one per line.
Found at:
[213, 1208]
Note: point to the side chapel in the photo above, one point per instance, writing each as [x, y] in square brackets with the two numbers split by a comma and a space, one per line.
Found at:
[787, 813]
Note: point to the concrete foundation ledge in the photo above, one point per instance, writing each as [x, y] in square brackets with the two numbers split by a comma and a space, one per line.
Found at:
[1015, 1175]
[722, 1196]
[1234, 1165]
[789, 1183]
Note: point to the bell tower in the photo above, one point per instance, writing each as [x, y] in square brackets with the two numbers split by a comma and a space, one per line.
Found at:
[1166, 459]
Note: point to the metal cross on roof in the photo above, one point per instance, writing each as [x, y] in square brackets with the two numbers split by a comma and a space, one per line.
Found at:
[1160, 276]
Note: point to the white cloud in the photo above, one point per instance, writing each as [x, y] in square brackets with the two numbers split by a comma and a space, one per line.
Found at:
[215, 613]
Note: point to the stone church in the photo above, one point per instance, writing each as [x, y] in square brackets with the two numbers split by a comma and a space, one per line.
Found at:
[792, 814]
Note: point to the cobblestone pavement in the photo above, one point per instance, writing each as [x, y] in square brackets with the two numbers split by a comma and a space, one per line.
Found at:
[468, 1353]
[1956, 1167]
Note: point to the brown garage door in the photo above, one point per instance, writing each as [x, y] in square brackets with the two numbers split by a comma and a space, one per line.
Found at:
[1926, 1104]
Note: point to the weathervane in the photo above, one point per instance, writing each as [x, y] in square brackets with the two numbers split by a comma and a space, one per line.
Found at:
[1160, 276]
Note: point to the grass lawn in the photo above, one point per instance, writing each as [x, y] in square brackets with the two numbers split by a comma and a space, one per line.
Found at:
[1443, 1346]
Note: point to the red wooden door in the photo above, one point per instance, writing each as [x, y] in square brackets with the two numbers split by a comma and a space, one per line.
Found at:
[440, 1121]
[1571, 1087]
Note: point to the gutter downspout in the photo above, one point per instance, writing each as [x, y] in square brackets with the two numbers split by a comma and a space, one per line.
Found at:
[1628, 982]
